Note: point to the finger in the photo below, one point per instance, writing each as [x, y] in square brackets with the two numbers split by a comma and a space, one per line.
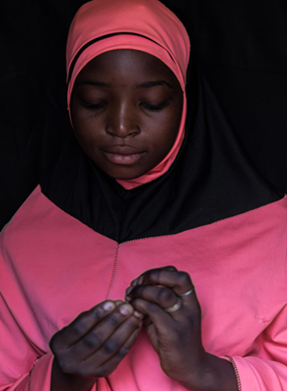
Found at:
[156, 314]
[163, 296]
[180, 282]
[179, 307]
[136, 280]
[110, 365]
[72, 333]
[103, 332]
[114, 345]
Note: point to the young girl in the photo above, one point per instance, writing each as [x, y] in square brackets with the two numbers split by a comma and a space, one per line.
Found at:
[154, 255]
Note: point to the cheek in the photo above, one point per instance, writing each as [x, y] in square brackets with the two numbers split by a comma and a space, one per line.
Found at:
[88, 141]
[174, 123]
[168, 129]
[83, 122]
[87, 129]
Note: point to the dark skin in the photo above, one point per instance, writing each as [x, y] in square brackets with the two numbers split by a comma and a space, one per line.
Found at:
[126, 109]
[176, 336]
[93, 345]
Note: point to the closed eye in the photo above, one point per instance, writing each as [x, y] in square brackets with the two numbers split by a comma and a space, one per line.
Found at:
[92, 105]
[156, 107]
[147, 106]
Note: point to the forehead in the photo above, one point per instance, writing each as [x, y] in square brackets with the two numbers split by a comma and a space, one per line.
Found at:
[127, 63]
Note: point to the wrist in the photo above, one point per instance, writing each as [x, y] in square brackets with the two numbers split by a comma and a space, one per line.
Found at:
[61, 381]
[213, 374]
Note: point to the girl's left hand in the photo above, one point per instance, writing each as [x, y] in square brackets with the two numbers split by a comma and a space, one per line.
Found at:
[173, 322]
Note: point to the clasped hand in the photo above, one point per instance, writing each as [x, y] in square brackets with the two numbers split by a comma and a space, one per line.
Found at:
[173, 322]
[164, 302]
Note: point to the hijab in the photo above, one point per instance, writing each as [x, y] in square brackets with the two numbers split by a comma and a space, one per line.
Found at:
[147, 33]
[206, 176]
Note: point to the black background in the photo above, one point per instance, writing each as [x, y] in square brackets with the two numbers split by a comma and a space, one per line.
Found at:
[242, 49]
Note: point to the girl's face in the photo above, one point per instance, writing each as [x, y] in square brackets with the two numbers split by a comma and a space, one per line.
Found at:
[126, 110]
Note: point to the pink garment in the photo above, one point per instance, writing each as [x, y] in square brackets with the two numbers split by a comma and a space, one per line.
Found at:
[59, 267]
[166, 39]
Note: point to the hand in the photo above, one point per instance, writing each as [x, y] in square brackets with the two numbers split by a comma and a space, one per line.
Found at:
[173, 324]
[93, 345]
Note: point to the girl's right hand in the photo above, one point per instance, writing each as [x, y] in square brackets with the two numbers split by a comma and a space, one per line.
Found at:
[93, 345]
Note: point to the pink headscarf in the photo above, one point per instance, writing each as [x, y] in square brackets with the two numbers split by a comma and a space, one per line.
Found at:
[166, 39]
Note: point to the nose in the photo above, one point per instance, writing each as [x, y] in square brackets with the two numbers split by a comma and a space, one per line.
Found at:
[122, 121]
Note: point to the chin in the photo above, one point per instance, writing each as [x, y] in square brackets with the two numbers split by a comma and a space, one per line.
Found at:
[121, 172]
[123, 175]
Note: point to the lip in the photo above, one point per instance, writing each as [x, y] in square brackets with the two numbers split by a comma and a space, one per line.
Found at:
[123, 155]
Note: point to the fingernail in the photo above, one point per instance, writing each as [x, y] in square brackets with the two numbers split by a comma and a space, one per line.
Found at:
[138, 314]
[128, 291]
[108, 306]
[125, 309]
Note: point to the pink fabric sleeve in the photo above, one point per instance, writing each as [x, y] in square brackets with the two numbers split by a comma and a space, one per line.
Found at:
[23, 367]
[18, 357]
[265, 368]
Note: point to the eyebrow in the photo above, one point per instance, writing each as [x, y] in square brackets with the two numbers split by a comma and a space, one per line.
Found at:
[93, 83]
[147, 84]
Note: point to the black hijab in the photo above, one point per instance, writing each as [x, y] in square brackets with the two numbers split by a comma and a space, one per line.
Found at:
[211, 179]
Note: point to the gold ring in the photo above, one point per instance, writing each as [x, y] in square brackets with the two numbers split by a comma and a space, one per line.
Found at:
[174, 307]
[186, 293]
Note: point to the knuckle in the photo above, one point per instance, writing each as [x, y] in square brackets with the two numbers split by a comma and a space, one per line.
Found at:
[140, 290]
[111, 346]
[78, 325]
[152, 275]
[78, 328]
[171, 267]
[113, 320]
[165, 295]
[153, 308]
[91, 340]
[132, 322]
[98, 313]
[155, 275]
[183, 278]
